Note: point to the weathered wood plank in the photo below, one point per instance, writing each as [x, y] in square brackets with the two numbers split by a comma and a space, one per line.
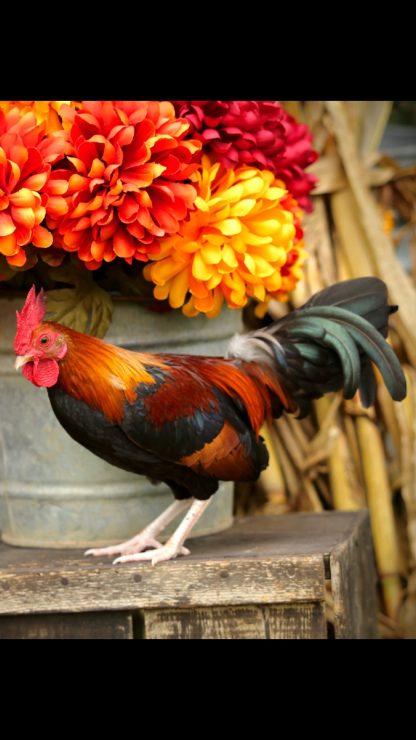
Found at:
[227, 623]
[283, 536]
[353, 583]
[275, 563]
[227, 563]
[86, 626]
[297, 622]
[288, 621]
[181, 583]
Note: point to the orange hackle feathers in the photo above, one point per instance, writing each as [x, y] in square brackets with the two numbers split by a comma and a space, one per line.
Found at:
[101, 375]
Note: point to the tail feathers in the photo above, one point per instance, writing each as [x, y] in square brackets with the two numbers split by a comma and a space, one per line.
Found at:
[346, 334]
[360, 295]
[329, 344]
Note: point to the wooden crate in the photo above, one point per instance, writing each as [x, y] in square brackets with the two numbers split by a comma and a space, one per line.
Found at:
[266, 578]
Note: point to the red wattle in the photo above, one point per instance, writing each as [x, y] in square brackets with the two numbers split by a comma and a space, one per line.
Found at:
[45, 373]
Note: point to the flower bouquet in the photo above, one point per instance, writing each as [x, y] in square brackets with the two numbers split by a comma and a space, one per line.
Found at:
[196, 203]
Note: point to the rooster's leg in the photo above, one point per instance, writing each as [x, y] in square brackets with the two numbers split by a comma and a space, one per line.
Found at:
[147, 537]
[174, 546]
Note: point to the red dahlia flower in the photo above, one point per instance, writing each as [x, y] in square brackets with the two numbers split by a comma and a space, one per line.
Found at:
[27, 190]
[127, 167]
[254, 132]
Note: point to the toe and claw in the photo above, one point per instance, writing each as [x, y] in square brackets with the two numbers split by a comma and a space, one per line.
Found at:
[137, 552]
[146, 547]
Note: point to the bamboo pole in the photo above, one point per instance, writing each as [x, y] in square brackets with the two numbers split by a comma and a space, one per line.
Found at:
[317, 238]
[381, 512]
[379, 245]
[271, 479]
[290, 475]
[406, 418]
[313, 498]
[350, 234]
[352, 442]
[339, 463]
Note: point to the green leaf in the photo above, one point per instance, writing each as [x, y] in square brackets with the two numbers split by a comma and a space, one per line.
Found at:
[86, 307]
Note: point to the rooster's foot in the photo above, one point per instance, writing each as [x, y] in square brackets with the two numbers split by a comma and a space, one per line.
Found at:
[165, 552]
[134, 545]
[147, 537]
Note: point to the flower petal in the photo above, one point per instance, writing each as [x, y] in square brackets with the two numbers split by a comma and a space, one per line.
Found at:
[41, 237]
[179, 289]
[123, 244]
[8, 245]
[211, 254]
[243, 207]
[7, 226]
[228, 256]
[19, 259]
[229, 226]
[200, 270]
[24, 198]
[36, 182]
[24, 216]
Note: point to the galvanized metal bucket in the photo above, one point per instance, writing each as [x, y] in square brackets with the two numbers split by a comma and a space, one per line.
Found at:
[56, 493]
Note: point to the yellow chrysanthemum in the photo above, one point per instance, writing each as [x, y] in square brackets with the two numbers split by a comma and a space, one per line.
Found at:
[235, 244]
[44, 110]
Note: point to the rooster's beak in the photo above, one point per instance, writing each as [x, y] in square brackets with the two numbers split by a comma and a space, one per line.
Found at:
[22, 360]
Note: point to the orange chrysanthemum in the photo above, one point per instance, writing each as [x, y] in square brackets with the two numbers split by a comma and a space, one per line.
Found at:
[46, 111]
[240, 241]
[126, 177]
[27, 190]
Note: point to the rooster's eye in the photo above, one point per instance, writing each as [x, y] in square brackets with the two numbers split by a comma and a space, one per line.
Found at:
[44, 340]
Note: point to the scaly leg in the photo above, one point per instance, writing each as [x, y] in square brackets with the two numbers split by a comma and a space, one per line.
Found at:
[174, 546]
[147, 537]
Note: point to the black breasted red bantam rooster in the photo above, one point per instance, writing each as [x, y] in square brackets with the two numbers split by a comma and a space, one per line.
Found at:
[193, 421]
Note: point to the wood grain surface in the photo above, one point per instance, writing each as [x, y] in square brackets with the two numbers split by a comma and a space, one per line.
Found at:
[264, 578]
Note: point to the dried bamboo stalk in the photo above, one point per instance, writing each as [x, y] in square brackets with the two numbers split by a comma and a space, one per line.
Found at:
[300, 294]
[327, 419]
[388, 412]
[406, 418]
[285, 430]
[374, 117]
[381, 512]
[350, 234]
[312, 496]
[339, 462]
[380, 246]
[292, 479]
[352, 441]
[343, 267]
[314, 459]
[271, 480]
[299, 434]
[324, 490]
[317, 237]
[313, 275]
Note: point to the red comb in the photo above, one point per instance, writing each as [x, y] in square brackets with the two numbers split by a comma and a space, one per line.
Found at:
[30, 316]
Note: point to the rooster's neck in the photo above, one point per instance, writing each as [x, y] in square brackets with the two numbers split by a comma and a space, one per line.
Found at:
[103, 376]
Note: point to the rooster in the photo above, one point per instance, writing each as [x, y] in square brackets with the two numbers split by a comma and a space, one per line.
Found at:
[193, 421]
